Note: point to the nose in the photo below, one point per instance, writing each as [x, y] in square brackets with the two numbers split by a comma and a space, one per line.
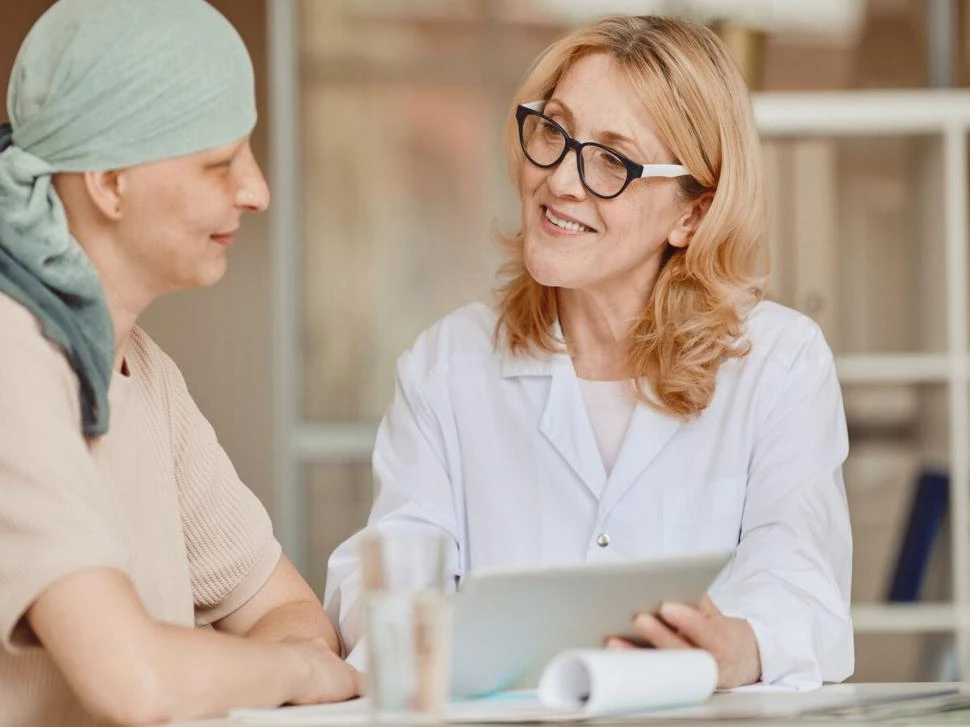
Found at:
[564, 180]
[252, 193]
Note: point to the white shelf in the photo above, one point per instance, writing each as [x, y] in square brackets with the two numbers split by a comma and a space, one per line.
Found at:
[866, 113]
[898, 368]
[344, 442]
[904, 618]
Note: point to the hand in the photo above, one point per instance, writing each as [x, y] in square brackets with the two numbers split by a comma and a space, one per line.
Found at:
[730, 641]
[330, 678]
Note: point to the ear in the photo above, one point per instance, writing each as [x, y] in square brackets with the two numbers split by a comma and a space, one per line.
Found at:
[106, 190]
[685, 226]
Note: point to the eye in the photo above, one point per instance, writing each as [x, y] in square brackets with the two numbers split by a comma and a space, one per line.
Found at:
[548, 131]
[614, 161]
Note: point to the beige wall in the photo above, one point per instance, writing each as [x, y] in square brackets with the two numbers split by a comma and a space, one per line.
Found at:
[219, 336]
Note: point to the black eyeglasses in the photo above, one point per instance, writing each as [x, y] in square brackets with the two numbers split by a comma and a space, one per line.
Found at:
[603, 171]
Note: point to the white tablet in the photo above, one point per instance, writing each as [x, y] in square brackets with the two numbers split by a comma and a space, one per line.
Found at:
[510, 622]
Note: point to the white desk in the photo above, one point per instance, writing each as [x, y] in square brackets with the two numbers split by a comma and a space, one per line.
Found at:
[770, 709]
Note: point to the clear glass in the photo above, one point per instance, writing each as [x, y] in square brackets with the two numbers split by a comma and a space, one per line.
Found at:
[407, 620]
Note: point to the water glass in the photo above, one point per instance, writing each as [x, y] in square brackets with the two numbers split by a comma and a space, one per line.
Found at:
[407, 621]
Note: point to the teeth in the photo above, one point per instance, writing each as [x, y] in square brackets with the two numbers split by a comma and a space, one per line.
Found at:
[566, 224]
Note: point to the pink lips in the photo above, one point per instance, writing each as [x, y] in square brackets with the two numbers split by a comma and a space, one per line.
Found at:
[224, 238]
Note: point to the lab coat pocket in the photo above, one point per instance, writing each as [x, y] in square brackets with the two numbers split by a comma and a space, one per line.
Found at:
[703, 516]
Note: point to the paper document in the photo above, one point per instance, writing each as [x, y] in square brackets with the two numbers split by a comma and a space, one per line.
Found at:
[575, 685]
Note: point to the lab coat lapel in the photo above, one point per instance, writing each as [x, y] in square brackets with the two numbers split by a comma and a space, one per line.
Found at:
[648, 433]
[565, 423]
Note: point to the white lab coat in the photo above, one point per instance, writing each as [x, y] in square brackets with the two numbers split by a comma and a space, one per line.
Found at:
[497, 452]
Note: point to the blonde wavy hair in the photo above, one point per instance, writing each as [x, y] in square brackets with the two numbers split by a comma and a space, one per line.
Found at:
[692, 322]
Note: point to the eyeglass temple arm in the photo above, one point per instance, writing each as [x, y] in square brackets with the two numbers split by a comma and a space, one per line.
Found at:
[663, 170]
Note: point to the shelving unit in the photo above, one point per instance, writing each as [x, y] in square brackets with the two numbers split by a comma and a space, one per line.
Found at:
[904, 618]
[945, 115]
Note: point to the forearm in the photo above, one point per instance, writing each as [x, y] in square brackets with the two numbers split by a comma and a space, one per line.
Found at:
[204, 673]
[127, 668]
[299, 620]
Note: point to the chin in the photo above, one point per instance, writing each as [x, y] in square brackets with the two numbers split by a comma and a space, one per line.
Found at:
[210, 274]
[545, 267]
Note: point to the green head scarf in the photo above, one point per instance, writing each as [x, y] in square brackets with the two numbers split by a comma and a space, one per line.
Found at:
[97, 85]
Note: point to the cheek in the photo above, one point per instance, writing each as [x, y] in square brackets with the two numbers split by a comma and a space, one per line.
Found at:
[530, 179]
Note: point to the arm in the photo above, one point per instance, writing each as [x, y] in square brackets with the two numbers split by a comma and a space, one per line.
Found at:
[241, 583]
[126, 668]
[284, 609]
[780, 611]
[413, 488]
[791, 575]
[64, 565]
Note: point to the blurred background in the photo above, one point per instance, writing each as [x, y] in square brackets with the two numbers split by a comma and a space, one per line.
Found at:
[380, 129]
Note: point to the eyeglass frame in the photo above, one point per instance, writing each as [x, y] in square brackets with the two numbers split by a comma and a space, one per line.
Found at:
[633, 170]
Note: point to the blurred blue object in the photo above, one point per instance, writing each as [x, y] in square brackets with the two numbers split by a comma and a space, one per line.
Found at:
[927, 510]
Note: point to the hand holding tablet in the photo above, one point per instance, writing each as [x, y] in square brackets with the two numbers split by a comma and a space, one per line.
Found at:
[510, 622]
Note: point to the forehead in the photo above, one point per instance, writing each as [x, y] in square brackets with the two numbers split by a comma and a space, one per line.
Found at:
[601, 98]
[173, 166]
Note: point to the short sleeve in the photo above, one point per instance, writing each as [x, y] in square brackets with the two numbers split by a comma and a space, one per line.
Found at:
[228, 534]
[57, 517]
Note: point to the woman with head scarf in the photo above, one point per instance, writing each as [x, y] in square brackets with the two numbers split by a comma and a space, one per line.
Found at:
[631, 394]
[124, 174]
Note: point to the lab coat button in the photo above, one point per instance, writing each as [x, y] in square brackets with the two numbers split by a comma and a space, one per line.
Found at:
[603, 540]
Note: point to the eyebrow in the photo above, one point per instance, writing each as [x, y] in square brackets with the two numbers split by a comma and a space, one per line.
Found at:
[219, 155]
[608, 138]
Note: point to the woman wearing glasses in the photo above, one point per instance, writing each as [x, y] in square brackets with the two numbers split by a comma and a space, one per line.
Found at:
[631, 394]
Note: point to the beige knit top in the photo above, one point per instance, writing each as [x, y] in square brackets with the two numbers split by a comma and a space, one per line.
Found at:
[155, 498]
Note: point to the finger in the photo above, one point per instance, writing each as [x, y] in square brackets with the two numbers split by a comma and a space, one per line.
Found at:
[690, 623]
[359, 687]
[654, 631]
[708, 607]
[615, 642]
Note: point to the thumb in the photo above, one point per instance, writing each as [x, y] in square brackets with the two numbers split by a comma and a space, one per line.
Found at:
[707, 607]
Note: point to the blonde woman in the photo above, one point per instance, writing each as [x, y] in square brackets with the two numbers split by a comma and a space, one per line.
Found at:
[631, 394]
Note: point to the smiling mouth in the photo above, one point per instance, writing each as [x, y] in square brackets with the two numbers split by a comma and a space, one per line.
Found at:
[565, 225]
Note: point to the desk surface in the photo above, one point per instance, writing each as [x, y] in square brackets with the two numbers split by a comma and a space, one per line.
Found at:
[769, 708]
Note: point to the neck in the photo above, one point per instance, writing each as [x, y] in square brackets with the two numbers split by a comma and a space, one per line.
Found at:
[596, 325]
[126, 294]
[125, 310]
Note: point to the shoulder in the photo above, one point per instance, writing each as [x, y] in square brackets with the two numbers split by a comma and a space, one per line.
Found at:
[789, 361]
[16, 321]
[785, 339]
[462, 338]
[27, 353]
[153, 370]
